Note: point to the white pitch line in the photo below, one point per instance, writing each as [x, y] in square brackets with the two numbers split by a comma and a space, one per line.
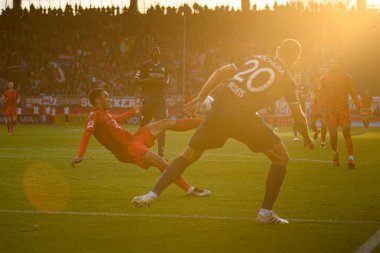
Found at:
[178, 216]
[370, 244]
[248, 158]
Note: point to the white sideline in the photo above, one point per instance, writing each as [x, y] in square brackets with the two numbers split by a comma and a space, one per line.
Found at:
[174, 216]
[370, 244]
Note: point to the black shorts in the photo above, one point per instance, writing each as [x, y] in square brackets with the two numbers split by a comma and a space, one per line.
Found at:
[244, 126]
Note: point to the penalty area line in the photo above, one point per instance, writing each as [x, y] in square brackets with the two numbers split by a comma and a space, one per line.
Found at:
[178, 216]
[370, 244]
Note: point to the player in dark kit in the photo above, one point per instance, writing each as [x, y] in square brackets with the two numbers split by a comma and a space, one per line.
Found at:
[253, 84]
[153, 77]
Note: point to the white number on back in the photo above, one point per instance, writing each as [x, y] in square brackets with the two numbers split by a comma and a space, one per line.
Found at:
[254, 71]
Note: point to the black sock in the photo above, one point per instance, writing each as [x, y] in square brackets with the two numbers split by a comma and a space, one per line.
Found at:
[171, 174]
[274, 181]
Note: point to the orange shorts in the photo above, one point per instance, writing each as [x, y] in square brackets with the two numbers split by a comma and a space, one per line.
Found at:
[11, 111]
[338, 119]
[136, 147]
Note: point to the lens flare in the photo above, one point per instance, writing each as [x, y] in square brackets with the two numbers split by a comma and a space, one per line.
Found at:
[46, 187]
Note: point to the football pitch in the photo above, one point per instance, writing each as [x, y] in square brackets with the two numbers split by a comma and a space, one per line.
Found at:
[46, 206]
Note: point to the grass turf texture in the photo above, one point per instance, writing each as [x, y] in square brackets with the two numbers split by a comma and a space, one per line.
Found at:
[36, 176]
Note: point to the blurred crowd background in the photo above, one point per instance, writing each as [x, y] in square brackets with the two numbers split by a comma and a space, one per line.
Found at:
[67, 52]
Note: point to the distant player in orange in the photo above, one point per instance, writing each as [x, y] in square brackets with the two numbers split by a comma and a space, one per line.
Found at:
[11, 98]
[367, 101]
[317, 111]
[336, 86]
[126, 146]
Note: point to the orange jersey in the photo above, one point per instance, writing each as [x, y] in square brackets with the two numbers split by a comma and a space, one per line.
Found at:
[335, 89]
[11, 98]
[367, 101]
[106, 129]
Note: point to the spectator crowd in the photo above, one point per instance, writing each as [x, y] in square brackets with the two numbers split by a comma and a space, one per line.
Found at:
[72, 50]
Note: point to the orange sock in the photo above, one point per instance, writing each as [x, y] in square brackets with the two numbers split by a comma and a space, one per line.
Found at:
[9, 127]
[349, 144]
[181, 182]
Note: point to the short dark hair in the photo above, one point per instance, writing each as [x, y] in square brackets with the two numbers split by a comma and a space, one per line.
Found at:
[94, 94]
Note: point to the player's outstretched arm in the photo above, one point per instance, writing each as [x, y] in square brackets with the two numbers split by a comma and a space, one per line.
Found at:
[301, 123]
[82, 148]
[75, 161]
[225, 72]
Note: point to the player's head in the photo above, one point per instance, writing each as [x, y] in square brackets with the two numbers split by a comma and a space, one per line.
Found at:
[155, 53]
[10, 85]
[289, 51]
[100, 98]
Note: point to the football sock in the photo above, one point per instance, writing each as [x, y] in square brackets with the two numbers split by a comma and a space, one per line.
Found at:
[9, 127]
[274, 181]
[161, 144]
[191, 189]
[334, 140]
[265, 212]
[186, 124]
[348, 139]
[171, 174]
[181, 182]
[351, 157]
[152, 194]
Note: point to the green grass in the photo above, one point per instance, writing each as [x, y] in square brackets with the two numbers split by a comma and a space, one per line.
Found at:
[36, 175]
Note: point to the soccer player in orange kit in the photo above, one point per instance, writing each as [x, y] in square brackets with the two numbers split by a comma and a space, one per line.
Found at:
[367, 101]
[336, 86]
[126, 146]
[11, 98]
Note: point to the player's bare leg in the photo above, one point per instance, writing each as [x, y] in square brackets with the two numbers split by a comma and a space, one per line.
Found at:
[10, 122]
[279, 158]
[314, 127]
[349, 146]
[295, 133]
[323, 134]
[334, 145]
[180, 125]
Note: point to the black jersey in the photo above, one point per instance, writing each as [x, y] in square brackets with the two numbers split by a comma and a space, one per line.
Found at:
[258, 83]
[153, 90]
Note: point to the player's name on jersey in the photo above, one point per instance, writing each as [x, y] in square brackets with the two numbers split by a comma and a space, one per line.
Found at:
[273, 63]
[236, 89]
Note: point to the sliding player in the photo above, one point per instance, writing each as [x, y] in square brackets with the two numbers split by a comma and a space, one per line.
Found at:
[126, 146]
